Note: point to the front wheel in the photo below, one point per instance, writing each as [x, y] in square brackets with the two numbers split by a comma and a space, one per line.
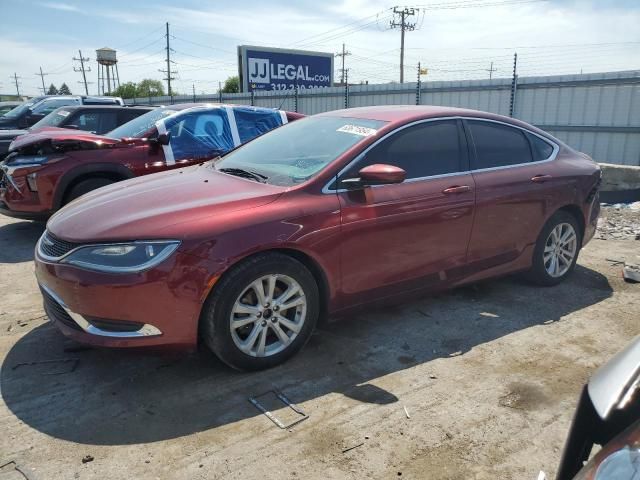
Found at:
[261, 313]
[556, 251]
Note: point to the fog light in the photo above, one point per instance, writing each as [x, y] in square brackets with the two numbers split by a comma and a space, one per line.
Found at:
[31, 180]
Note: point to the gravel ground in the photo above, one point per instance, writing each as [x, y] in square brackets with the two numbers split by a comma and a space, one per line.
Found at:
[476, 383]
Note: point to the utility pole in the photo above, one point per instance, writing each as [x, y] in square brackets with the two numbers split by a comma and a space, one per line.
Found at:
[15, 79]
[82, 59]
[193, 86]
[41, 75]
[346, 88]
[491, 70]
[343, 54]
[404, 26]
[514, 85]
[168, 70]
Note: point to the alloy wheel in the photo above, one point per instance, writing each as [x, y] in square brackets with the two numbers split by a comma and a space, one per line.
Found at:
[268, 315]
[560, 250]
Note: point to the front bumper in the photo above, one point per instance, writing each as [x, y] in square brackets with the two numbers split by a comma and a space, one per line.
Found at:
[159, 307]
[17, 199]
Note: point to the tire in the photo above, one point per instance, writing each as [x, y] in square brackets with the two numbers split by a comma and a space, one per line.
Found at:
[541, 271]
[85, 186]
[235, 299]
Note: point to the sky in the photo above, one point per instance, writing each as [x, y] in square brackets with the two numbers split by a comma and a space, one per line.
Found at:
[453, 39]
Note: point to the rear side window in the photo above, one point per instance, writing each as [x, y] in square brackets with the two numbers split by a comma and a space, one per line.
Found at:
[98, 122]
[423, 150]
[252, 123]
[200, 134]
[540, 149]
[128, 115]
[498, 145]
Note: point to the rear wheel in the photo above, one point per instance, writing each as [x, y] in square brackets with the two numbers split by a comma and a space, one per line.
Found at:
[261, 313]
[556, 251]
[86, 186]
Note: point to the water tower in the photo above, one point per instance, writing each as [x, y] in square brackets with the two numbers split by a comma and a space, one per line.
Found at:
[107, 63]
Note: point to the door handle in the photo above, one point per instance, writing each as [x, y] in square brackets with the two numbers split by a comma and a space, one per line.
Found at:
[541, 178]
[457, 189]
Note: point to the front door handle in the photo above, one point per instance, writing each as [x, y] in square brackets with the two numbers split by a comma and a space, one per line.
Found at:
[457, 189]
[541, 178]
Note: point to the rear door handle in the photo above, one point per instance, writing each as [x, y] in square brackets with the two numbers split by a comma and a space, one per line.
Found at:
[457, 189]
[541, 178]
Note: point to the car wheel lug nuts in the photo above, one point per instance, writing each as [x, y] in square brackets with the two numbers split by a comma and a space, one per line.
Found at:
[264, 323]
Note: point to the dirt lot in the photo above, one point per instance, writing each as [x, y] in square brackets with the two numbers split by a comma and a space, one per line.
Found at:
[489, 376]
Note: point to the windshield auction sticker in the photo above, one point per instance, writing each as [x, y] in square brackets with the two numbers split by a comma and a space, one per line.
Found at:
[356, 130]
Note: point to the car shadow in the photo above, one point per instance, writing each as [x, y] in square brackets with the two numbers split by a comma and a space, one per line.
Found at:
[109, 397]
[27, 232]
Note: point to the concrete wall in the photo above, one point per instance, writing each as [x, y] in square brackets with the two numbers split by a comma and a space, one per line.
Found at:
[598, 114]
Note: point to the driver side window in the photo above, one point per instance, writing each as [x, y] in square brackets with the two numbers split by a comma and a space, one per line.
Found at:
[423, 150]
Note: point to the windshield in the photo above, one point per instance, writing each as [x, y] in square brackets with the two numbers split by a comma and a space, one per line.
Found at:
[141, 125]
[54, 119]
[292, 154]
[20, 109]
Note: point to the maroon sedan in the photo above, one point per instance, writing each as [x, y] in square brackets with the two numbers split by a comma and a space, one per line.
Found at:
[319, 216]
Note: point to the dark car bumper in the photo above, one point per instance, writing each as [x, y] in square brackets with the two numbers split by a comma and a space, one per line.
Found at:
[159, 307]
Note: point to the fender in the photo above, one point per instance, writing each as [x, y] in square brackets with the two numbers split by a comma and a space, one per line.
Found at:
[82, 170]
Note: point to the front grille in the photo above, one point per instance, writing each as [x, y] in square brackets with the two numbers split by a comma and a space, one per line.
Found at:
[54, 247]
[56, 312]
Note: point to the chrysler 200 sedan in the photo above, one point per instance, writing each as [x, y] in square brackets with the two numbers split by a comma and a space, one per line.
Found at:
[322, 215]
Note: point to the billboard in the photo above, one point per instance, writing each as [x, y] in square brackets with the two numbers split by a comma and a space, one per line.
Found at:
[267, 69]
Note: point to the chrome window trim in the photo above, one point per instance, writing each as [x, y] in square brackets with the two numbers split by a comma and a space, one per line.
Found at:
[556, 149]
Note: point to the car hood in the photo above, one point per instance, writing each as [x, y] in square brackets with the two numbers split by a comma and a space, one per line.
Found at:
[172, 204]
[8, 122]
[9, 134]
[61, 136]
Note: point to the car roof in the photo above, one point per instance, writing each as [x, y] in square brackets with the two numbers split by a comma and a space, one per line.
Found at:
[393, 113]
[103, 107]
[184, 106]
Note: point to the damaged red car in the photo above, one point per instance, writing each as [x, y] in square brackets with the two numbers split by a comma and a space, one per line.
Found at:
[47, 169]
[317, 217]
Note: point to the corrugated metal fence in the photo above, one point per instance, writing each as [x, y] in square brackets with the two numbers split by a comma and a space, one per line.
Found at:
[595, 113]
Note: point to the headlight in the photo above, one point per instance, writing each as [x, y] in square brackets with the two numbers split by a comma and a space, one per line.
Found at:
[131, 257]
[27, 160]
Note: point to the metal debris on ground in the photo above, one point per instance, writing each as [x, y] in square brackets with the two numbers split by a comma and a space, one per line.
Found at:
[351, 448]
[631, 273]
[72, 361]
[16, 468]
[406, 412]
[280, 396]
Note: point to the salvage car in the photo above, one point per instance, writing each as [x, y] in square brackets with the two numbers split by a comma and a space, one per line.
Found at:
[46, 170]
[608, 414]
[34, 110]
[321, 216]
[95, 119]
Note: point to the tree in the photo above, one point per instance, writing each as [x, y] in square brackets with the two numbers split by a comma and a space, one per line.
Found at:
[126, 90]
[64, 90]
[150, 88]
[52, 90]
[231, 85]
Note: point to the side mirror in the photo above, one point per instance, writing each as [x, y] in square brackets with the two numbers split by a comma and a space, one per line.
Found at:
[34, 118]
[376, 174]
[163, 138]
